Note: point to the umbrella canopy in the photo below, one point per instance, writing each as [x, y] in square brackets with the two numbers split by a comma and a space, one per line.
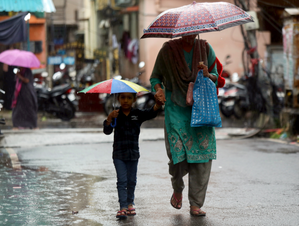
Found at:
[196, 18]
[114, 86]
[19, 58]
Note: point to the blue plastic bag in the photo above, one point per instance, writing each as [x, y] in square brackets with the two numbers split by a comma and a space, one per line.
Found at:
[205, 109]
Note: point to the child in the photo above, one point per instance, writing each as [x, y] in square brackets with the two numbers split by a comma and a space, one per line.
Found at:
[125, 148]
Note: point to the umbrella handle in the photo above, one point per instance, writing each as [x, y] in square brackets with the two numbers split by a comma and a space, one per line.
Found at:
[114, 124]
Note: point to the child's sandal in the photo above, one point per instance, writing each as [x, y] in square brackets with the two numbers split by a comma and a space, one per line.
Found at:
[131, 212]
[122, 214]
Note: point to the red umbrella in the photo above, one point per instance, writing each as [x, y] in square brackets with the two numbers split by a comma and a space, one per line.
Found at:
[196, 18]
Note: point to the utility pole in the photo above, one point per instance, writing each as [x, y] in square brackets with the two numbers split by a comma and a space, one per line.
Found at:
[109, 14]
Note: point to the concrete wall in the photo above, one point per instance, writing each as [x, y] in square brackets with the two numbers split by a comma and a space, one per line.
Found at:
[66, 15]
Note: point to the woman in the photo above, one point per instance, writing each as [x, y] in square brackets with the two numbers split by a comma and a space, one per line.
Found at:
[190, 150]
[24, 104]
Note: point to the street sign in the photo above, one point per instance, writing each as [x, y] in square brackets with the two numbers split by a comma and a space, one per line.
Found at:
[69, 60]
[54, 60]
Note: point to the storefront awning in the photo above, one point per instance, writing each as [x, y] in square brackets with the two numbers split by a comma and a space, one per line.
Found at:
[28, 5]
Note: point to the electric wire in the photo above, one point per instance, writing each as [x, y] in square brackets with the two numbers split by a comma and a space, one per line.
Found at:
[275, 5]
[267, 17]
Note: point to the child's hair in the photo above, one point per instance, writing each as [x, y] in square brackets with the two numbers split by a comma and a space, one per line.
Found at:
[134, 95]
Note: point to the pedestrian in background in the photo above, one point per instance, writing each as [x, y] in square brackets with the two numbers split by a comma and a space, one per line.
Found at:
[24, 103]
[190, 149]
[126, 148]
[9, 83]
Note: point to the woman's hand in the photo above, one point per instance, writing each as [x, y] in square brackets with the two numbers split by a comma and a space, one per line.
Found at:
[111, 116]
[22, 78]
[204, 69]
[160, 97]
[205, 72]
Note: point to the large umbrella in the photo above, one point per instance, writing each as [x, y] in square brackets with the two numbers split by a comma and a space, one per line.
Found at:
[113, 86]
[196, 18]
[19, 58]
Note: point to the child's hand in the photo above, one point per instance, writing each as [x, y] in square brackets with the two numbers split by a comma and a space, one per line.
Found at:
[160, 97]
[112, 115]
[157, 106]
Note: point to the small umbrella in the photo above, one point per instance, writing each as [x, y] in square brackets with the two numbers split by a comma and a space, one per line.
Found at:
[19, 58]
[114, 86]
[196, 18]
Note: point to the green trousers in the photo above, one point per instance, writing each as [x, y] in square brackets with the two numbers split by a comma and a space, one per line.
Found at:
[199, 174]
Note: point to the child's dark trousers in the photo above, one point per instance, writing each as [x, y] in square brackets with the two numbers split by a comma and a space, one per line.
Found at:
[126, 181]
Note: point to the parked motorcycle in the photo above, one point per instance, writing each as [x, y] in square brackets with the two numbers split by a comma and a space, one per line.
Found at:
[63, 77]
[56, 101]
[144, 99]
[249, 97]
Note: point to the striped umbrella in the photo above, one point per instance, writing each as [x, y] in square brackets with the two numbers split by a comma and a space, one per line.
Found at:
[114, 86]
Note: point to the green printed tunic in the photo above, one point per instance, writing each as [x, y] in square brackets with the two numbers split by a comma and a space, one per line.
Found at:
[195, 144]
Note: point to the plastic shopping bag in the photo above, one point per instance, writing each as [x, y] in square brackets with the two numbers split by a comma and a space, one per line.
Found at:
[205, 109]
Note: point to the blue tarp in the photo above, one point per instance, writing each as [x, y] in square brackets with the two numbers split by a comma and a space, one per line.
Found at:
[13, 30]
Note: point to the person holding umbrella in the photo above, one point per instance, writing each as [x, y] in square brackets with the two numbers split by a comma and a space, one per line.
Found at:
[24, 104]
[126, 148]
[126, 123]
[190, 149]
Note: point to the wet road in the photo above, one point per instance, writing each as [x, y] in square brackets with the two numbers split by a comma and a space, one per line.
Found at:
[253, 182]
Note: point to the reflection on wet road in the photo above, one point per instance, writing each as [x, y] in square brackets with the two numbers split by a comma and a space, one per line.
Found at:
[38, 196]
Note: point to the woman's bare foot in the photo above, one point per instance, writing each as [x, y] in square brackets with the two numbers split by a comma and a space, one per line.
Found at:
[15, 128]
[176, 200]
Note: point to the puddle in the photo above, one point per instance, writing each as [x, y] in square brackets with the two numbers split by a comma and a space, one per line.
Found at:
[38, 196]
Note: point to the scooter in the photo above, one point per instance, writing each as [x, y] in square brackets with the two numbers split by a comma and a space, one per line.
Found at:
[56, 101]
[226, 104]
[226, 93]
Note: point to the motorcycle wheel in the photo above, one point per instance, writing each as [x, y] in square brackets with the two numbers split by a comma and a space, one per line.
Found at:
[110, 104]
[67, 110]
[238, 110]
[226, 111]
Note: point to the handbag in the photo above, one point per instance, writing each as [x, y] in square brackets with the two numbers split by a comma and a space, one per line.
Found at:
[205, 109]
